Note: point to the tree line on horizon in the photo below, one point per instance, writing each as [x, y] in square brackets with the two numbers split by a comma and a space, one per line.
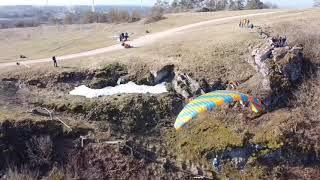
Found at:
[115, 15]
[212, 5]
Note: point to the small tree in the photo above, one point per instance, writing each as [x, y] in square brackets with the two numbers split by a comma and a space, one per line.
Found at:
[163, 4]
[155, 15]
[90, 17]
[211, 4]
[117, 16]
[254, 4]
[239, 4]
[103, 18]
[221, 5]
[175, 4]
[187, 4]
[68, 19]
[136, 16]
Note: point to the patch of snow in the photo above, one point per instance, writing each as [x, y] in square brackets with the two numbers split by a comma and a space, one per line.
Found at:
[128, 88]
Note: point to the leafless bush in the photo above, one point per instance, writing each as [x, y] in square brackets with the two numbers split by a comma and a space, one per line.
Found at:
[103, 18]
[136, 16]
[118, 16]
[299, 34]
[308, 97]
[40, 151]
[307, 94]
[68, 19]
[22, 174]
[90, 17]
[155, 15]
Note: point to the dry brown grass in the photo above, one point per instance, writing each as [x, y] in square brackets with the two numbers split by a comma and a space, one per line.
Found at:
[304, 126]
[303, 30]
[45, 41]
[22, 174]
[155, 15]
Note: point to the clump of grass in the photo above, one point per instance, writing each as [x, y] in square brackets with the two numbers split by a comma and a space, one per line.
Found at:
[306, 96]
[155, 15]
[270, 134]
[203, 136]
[21, 174]
[251, 172]
[56, 174]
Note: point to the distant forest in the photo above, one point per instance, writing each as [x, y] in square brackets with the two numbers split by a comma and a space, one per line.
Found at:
[31, 16]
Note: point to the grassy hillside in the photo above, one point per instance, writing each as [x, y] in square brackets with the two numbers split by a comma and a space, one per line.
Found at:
[216, 53]
[46, 41]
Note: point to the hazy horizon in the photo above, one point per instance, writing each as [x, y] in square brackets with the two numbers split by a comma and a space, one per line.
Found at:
[280, 3]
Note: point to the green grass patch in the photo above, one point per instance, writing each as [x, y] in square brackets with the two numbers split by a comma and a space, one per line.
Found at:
[205, 135]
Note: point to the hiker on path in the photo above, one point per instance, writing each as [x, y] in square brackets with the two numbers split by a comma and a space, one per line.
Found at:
[126, 36]
[284, 41]
[120, 37]
[55, 64]
[244, 22]
[123, 38]
[240, 24]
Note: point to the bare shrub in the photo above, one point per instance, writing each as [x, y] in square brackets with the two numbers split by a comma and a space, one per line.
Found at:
[103, 18]
[39, 150]
[22, 174]
[307, 96]
[135, 16]
[68, 19]
[155, 15]
[299, 34]
[118, 16]
[90, 17]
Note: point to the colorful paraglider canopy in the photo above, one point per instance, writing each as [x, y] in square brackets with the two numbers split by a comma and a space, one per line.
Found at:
[209, 101]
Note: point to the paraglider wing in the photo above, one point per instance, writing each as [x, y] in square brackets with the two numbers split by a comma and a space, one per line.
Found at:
[209, 101]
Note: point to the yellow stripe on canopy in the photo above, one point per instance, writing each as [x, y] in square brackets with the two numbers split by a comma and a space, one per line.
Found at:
[212, 100]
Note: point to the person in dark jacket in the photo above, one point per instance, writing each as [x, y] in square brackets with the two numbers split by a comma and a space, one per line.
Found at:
[120, 37]
[126, 36]
[55, 64]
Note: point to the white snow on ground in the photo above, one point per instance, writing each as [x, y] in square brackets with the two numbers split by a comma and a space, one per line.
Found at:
[128, 88]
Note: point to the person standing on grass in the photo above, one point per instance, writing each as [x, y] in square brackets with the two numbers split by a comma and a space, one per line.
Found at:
[55, 64]
[120, 37]
[126, 36]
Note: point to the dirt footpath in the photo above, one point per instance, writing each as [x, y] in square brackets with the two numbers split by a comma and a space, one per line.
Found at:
[139, 42]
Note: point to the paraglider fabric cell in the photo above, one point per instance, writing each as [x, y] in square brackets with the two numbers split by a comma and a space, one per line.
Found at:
[209, 101]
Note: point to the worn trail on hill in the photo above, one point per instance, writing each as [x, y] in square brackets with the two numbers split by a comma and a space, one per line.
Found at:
[139, 42]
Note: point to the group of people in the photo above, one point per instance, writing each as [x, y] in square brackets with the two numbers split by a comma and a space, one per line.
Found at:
[245, 23]
[123, 37]
[279, 41]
